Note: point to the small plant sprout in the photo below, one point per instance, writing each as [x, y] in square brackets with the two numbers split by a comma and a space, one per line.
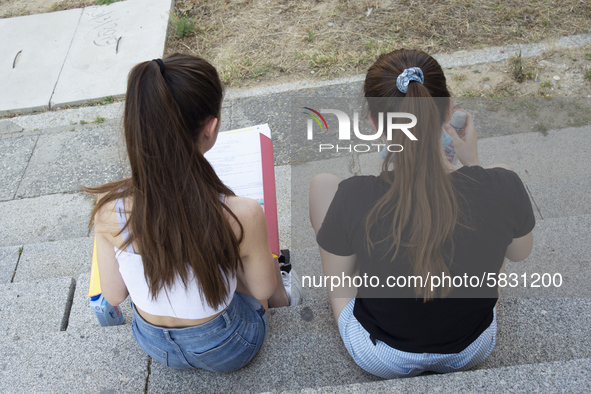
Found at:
[183, 26]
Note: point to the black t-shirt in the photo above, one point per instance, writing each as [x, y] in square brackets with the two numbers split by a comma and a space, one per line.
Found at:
[494, 205]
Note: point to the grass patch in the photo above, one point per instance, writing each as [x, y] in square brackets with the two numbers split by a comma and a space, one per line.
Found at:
[272, 32]
[542, 128]
[56, 7]
[99, 120]
[588, 75]
[470, 94]
[106, 2]
[107, 100]
[182, 25]
[517, 70]
[83, 122]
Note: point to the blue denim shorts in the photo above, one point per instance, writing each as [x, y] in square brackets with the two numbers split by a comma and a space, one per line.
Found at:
[389, 363]
[226, 343]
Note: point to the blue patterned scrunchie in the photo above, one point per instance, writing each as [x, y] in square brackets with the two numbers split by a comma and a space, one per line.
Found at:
[410, 74]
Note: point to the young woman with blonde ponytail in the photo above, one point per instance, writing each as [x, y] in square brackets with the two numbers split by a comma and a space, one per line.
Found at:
[424, 218]
[194, 257]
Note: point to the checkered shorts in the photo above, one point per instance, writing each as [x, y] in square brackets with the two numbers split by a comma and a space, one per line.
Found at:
[387, 362]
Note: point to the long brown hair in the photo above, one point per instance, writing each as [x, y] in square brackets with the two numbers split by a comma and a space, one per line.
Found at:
[177, 220]
[421, 196]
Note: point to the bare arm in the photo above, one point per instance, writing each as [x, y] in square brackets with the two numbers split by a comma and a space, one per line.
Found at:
[520, 248]
[258, 273]
[112, 286]
[334, 267]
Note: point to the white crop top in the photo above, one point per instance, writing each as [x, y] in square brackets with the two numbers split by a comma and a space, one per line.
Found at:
[175, 301]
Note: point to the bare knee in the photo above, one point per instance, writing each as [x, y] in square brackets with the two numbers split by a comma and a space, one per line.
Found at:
[502, 165]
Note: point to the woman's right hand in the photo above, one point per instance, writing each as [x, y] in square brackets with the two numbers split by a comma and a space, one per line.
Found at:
[465, 145]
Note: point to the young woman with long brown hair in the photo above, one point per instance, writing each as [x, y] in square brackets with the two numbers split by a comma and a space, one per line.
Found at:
[425, 218]
[194, 258]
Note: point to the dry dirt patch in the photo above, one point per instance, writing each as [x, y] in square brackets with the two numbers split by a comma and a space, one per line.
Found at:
[270, 41]
[564, 72]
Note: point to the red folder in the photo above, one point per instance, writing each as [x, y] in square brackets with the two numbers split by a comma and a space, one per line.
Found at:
[270, 202]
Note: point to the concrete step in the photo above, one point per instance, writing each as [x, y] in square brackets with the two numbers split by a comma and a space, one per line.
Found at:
[40, 356]
[303, 348]
[44, 219]
[557, 377]
[82, 319]
[108, 361]
[38, 306]
[561, 247]
[69, 257]
[62, 159]
[9, 256]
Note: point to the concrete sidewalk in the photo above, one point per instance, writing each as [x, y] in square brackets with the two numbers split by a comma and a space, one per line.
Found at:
[53, 343]
[79, 55]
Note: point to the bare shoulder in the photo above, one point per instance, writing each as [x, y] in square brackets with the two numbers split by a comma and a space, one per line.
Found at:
[107, 212]
[245, 209]
[105, 221]
[501, 165]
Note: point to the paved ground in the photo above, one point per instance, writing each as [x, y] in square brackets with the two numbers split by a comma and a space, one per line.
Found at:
[51, 341]
[78, 55]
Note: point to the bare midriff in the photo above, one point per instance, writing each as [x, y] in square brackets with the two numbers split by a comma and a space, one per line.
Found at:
[173, 322]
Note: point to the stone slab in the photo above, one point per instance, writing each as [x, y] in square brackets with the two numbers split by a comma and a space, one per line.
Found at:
[44, 40]
[16, 153]
[537, 158]
[62, 162]
[531, 331]
[44, 219]
[83, 319]
[8, 127]
[558, 377]
[70, 257]
[302, 349]
[109, 41]
[564, 197]
[25, 305]
[8, 260]
[561, 251]
[108, 361]
[69, 118]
